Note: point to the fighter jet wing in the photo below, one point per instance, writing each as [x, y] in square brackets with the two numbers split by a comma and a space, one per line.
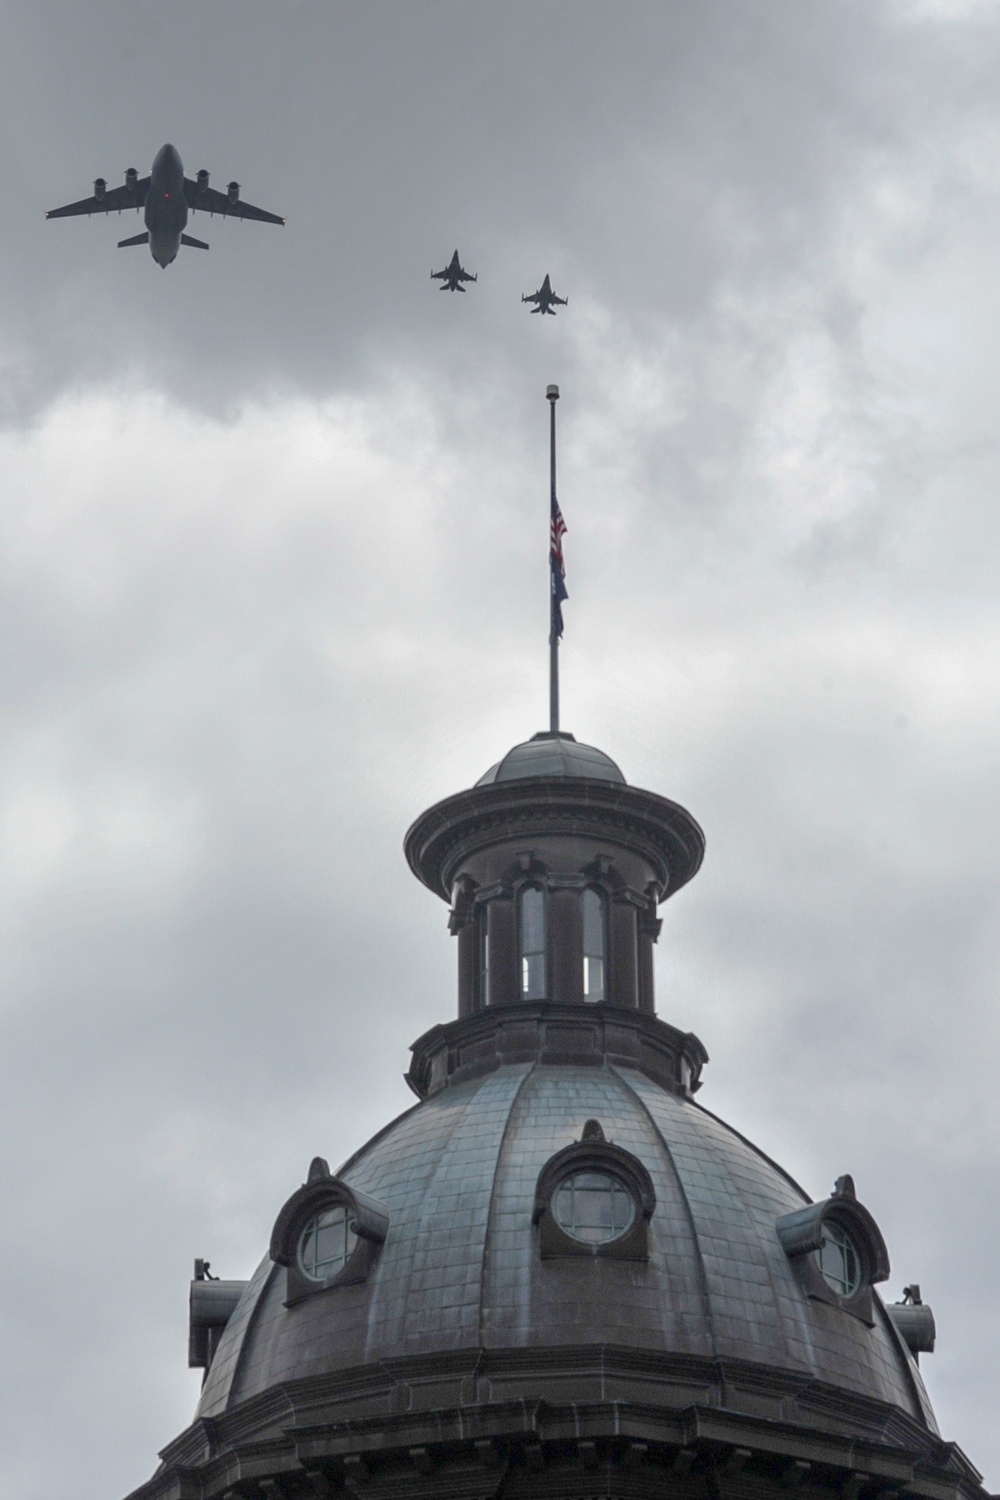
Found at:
[208, 200]
[112, 201]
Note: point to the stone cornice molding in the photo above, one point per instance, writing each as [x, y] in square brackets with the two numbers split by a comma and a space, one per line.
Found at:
[663, 832]
[475, 1419]
[546, 1032]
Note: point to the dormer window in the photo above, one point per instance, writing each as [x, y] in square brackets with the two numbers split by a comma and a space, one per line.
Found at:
[593, 1199]
[327, 1235]
[839, 1260]
[594, 1207]
[837, 1250]
[531, 932]
[594, 944]
[326, 1244]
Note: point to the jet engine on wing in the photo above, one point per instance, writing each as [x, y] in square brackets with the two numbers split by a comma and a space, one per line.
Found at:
[131, 178]
[100, 188]
[202, 180]
[234, 192]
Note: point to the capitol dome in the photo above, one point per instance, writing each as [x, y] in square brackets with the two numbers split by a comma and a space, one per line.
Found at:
[558, 1274]
[460, 1271]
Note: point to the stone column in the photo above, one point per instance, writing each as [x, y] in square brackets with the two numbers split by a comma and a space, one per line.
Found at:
[565, 946]
[468, 968]
[624, 977]
[503, 955]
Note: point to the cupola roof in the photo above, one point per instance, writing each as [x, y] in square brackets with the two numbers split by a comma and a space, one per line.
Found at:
[553, 753]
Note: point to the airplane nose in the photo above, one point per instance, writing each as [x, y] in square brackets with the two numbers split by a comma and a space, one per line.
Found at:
[168, 156]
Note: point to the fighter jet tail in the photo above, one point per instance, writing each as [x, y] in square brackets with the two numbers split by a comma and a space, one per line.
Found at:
[193, 244]
[137, 239]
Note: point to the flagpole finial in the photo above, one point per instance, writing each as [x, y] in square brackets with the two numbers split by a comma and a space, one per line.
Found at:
[552, 392]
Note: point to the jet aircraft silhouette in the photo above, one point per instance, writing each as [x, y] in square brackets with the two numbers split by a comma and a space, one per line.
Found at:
[165, 195]
[544, 298]
[452, 275]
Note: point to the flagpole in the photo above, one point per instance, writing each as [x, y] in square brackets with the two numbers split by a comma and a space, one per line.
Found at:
[552, 395]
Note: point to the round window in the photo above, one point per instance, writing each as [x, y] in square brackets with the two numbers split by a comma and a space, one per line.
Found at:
[593, 1206]
[839, 1261]
[326, 1243]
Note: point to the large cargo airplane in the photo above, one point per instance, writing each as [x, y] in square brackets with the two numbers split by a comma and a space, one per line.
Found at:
[165, 195]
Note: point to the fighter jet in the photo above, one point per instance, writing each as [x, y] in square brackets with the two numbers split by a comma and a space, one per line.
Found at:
[452, 275]
[166, 195]
[544, 298]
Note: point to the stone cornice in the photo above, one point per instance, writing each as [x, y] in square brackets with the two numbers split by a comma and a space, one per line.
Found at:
[471, 1422]
[545, 1032]
[661, 830]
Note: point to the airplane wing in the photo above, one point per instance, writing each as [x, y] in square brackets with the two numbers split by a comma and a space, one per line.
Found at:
[114, 201]
[561, 300]
[532, 297]
[464, 276]
[439, 275]
[210, 201]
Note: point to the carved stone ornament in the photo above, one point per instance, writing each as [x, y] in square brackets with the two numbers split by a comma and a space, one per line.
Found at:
[368, 1220]
[801, 1236]
[592, 1153]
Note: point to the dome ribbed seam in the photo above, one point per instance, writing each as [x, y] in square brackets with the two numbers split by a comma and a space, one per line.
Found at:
[702, 1273]
[493, 1198]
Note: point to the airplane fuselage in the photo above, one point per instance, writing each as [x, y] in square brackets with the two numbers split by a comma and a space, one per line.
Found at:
[166, 211]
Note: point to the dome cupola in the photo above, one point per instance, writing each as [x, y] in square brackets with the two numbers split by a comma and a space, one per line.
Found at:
[554, 868]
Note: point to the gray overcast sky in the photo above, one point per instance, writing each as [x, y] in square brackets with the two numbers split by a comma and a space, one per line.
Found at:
[273, 578]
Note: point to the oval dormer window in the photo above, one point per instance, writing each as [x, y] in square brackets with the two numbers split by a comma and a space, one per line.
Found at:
[593, 1198]
[839, 1260]
[326, 1243]
[594, 1207]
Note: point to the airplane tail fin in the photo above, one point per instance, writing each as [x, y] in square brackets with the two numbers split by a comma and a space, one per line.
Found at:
[193, 244]
[137, 239]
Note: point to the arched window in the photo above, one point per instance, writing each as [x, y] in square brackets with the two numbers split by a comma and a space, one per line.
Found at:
[531, 921]
[594, 945]
[483, 954]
